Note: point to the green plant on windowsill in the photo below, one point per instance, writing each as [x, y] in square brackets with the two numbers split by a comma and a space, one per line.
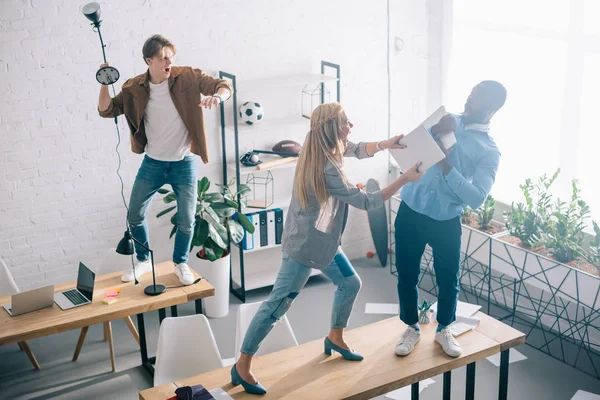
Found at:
[564, 234]
[526, 220]
[465, 216]
[217, 220]
[485, 213]
[594, 253]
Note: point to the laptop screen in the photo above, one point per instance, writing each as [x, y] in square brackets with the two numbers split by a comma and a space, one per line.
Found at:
[85, 281]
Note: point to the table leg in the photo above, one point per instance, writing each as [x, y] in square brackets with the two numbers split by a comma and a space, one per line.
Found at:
[447, 389]
[199, 306]
[470, 393]
[173, 311]
[503, 387]
[162, 314]
[143, 347]
[414, 391]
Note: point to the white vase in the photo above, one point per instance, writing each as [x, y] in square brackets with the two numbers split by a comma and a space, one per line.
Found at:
[217, 274]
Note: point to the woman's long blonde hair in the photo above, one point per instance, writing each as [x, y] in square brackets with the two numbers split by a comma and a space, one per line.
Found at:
[322, 143]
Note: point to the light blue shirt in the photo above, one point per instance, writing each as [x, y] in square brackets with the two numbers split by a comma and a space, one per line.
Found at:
[475, 158]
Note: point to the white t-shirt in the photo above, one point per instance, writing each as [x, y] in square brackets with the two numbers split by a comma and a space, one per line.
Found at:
[168, 138]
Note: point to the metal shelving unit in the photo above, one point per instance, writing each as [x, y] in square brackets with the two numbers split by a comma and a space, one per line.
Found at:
[240, 283]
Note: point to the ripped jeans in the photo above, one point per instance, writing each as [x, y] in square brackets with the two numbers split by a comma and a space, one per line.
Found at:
[151, 176]
[291, 279]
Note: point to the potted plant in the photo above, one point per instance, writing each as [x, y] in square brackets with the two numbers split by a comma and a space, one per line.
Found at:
[594, 253]
[217, 224]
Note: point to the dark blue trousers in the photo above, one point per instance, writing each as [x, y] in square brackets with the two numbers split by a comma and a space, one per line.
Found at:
[413, 232]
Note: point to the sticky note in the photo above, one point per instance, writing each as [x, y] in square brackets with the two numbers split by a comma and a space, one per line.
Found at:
[112, 293]
[109, 300]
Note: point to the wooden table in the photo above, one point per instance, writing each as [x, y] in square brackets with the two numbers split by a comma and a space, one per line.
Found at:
[131, 300]
[305, 372]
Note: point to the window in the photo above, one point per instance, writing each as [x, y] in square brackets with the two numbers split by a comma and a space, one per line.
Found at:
[547, 55]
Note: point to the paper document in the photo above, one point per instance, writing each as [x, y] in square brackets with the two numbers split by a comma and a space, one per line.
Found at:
[420, 147]
[462, 309]
[434, 118]
[447, 139]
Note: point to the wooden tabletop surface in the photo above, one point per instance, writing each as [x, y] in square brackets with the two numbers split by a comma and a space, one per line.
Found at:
[304, 372]
[130, 301]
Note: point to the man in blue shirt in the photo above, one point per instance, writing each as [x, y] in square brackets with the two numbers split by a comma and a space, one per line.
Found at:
[431, 208]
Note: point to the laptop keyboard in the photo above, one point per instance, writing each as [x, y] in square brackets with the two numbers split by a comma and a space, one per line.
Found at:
[75, 297]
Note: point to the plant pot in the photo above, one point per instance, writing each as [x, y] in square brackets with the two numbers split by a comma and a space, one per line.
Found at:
[475, 243]
[217, 274]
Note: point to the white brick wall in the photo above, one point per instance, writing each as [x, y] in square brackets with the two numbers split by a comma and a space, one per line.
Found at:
[60, 200]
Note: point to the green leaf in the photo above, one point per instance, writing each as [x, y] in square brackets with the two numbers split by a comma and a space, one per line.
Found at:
[225, 212]
[246, 223]
[169, 198]
[173, 231]
[216, 224]
[231, 203]
[200, 232]
[203, 185]
[163, 191]
[212, 233]
[174, 219]
[212, 251]
[213, 197]
[236, 230]
[165, 211]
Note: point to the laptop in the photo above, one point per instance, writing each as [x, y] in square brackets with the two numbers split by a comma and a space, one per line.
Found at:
[82, 294]
[31, 300]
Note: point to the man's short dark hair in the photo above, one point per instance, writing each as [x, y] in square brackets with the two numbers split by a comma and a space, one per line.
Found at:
[154, 45]
[495, 94]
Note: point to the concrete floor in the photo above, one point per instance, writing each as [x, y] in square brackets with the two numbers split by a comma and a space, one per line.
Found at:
[537, 377]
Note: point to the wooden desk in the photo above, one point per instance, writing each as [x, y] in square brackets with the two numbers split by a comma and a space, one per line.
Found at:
[131, 300]
[305, 372]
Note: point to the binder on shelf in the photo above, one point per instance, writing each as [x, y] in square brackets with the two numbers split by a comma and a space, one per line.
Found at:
[271, 227]
[278, 224]
[264, 235]
[248, 240]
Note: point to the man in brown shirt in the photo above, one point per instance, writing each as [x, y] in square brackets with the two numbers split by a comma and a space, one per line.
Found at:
[164, 113]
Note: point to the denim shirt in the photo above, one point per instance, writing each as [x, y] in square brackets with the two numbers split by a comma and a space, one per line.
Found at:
[475, 158]
[312, 235]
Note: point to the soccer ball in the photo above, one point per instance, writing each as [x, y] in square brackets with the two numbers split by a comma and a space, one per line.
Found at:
[251, 113]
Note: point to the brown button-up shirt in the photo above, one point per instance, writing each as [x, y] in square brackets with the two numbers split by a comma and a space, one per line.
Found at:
[185, 85]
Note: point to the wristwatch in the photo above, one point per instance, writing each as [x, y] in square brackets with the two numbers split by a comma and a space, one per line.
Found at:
[217, 95]
[378, 145]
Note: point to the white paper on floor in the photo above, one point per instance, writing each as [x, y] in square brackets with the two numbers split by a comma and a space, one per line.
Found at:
[228, 361]
[514, 357]
[405, 393]
[382, 308]
[583, 395]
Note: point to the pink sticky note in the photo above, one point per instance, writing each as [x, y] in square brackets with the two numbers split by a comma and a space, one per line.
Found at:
[112, 293]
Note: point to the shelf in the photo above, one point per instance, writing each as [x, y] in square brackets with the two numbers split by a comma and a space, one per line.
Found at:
[260, 279]
[290, 124]
[282, 202]
[244, 170]
[282, 81]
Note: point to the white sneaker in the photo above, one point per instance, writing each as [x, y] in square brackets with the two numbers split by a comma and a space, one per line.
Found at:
[184, 274]
[448, 343]
[407, 342]
[141, 268]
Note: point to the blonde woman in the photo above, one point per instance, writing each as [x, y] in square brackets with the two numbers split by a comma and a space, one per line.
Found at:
[313, 230]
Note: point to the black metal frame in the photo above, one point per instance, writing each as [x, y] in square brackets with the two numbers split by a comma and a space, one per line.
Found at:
[240, 292]
[148, 362]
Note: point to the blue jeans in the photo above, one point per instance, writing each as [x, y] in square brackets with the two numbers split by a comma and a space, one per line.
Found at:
[413, 232]
[151, 176]
[292, 277]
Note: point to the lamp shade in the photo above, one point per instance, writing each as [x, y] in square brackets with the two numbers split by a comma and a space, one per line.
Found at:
[92, 12]
[125, 245]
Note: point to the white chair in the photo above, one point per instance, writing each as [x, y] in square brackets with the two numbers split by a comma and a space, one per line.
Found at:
[186, 347]
[112, 262]
[281, 336]
[9, 287]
